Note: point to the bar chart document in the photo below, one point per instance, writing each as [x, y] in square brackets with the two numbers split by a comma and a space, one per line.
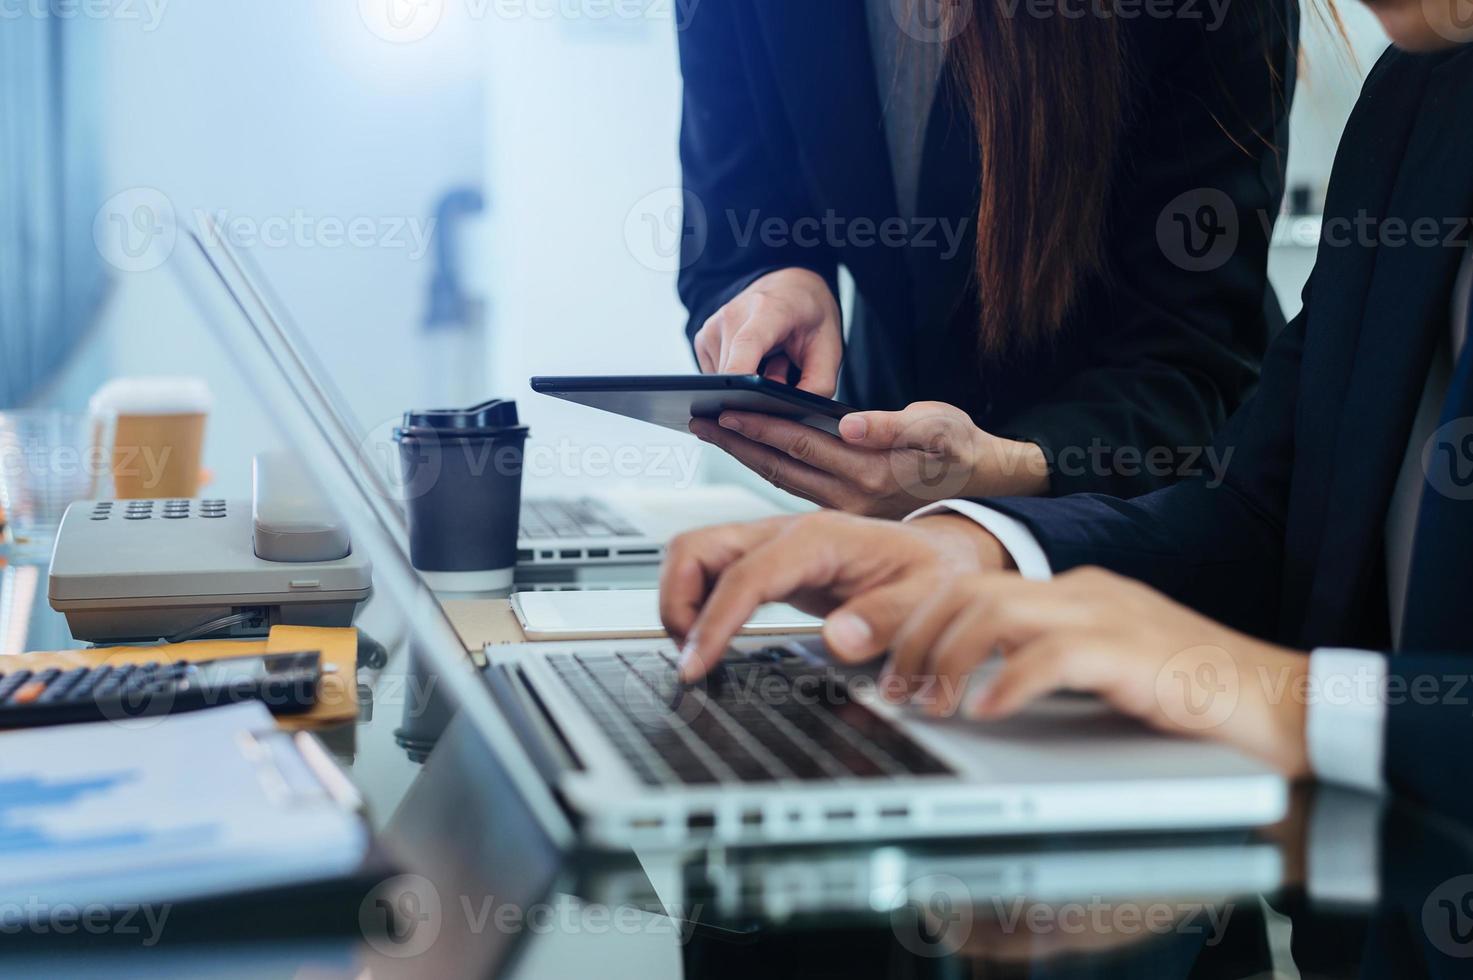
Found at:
[166, 809]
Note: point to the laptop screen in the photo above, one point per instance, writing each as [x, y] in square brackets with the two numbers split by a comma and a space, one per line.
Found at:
[232, 306]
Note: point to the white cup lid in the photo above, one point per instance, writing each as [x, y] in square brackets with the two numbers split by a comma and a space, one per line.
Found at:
[160, 395]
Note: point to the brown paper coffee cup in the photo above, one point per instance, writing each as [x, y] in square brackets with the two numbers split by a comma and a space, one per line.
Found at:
[151, 432]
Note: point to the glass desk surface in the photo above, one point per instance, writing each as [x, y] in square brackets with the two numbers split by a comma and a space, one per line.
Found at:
[1348, 886]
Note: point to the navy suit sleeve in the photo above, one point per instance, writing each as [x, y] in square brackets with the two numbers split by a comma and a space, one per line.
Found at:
[739, 163]
[1429, 722]
[1213, 542]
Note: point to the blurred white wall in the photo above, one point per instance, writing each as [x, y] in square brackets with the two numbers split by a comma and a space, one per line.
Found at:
[327, 143]
[583, 116]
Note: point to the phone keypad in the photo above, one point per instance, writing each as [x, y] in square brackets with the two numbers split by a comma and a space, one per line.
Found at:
[169, 510]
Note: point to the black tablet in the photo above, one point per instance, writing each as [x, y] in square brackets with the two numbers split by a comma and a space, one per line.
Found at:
[673, 400]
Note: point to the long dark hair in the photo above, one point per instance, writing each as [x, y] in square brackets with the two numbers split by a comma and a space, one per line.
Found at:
[1048, 100]
[1046, 95]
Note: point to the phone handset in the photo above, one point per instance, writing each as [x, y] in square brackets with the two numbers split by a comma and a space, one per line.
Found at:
[290, 519]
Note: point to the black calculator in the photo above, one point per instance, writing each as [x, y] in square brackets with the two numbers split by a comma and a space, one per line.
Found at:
[283, 682]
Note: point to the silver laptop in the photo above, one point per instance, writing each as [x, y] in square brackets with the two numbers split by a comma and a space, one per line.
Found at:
[625, 528]
[554, 532]
[777, 746]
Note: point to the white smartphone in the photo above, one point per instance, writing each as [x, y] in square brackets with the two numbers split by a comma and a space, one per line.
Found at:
[627, 614]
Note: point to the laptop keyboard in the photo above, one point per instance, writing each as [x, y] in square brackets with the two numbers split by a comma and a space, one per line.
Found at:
[582, 518]
[759, 717]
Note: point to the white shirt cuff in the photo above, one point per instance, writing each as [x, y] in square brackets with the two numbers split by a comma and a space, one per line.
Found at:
[1346, 728]
[1011, 533]
[1342, 861]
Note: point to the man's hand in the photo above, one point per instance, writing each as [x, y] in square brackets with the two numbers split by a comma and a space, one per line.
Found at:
[1091, 630]
[788, 318]
[865, 576]
[883, 464]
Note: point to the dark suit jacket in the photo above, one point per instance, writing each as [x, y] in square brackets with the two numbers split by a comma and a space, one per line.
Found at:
[782, 120]
[1290, 545]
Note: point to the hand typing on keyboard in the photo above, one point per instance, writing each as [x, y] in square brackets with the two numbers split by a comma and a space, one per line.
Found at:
[864, 575]
[761, 716]
[930, 595]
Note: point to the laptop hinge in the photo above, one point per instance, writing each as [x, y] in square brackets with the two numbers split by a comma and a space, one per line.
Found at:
[550, 751]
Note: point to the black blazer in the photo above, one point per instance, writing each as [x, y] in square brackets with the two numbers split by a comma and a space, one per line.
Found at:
[782, 119]
[1290, 545]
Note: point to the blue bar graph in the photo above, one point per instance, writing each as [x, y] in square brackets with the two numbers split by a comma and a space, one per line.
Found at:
[26, 802]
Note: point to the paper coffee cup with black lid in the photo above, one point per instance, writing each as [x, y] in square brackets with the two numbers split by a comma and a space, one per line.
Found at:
[461, 472]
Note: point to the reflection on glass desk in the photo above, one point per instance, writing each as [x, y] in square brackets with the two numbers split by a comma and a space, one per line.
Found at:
[592, 577]
[1346, 886]
[381, 760]
[26, 621]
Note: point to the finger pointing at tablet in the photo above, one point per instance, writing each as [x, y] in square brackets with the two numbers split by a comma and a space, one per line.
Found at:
[787, 318]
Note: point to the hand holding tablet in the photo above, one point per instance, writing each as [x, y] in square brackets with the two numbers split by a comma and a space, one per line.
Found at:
[880, 464]
[673, 401]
